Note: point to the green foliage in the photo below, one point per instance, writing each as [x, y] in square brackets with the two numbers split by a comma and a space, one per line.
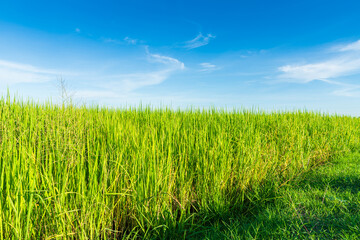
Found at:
[321, 204]
[88, 173]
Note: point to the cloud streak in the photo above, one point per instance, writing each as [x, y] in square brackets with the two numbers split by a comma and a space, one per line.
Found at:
[114, 86]
[11, 72]
[171, 63]
[346, 62]
[199, 41]
[130, 41]
[208, 67]
[351, 91]
[323, 71]
[125, 41]
[354, 46]
[134, 81]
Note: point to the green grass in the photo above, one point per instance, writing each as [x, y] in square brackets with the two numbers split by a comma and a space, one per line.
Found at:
[91, 173]
[321, 204]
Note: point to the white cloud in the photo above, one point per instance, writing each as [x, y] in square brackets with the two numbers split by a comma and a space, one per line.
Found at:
[125, 83]
[111, 86]
[24, 67]
[198, 41]
[137, 80]
[130, 40]
[172, 63]
[354, 46]
[208, 67]
[347, 62]
[11, 72]
[353, 91]
[322, 70]
[110, 40]
[126, 40]
[133, 81]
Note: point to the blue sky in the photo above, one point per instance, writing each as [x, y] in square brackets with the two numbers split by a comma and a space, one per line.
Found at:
[272, 55]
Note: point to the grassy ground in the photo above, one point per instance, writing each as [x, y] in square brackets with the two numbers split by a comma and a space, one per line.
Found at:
[96, 173]
[321, 204]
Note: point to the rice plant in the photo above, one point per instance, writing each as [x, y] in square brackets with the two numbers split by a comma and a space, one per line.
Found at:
[97, 173]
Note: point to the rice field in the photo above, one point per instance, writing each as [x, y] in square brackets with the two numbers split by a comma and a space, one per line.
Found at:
[70, 172]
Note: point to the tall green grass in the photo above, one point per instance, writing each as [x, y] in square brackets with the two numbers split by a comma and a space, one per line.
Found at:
[88, 173]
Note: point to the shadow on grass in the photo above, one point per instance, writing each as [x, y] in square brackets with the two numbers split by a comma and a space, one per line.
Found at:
[345, 182]
[322, 204]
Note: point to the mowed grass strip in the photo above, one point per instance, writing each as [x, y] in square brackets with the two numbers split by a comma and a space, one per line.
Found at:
[90, 173]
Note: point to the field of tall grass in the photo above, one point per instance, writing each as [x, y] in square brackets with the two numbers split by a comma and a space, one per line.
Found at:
[97, 173]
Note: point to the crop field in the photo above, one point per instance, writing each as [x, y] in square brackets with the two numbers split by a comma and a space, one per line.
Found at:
[70, 172]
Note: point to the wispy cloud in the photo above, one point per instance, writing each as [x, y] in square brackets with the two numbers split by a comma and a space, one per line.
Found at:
[350, 91]
[125, 41]
[25, 67]
[346, 62]
[208, 67]
[337, 67]
[199, 41]
[171, 63]
[354, 46]
[137, 80]
[131, 40]
[11, 72]
[113, 86]
[132, 81]
[111, 40]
